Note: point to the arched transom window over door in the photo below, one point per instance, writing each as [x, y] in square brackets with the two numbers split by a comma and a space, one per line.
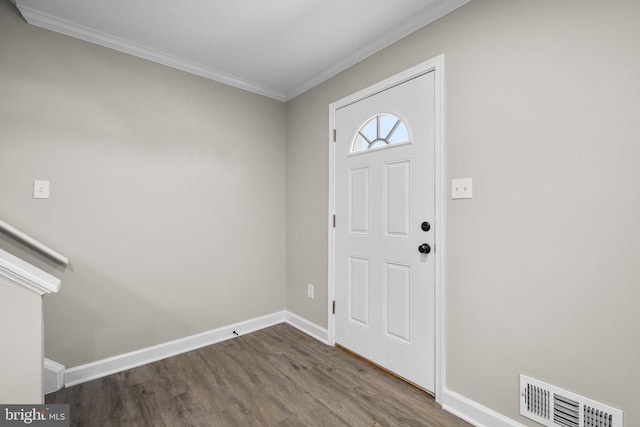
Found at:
[379, 131]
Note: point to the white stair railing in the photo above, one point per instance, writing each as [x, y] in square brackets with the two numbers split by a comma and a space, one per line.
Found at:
[30, 241]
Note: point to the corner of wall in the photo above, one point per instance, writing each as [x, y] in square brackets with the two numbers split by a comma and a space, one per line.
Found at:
[53, 376]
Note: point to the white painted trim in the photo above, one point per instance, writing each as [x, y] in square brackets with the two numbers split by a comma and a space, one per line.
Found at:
[307, 327]
[455, 403]
[436, 10]
[331, 290]
[437, 65]
[53, 376]
[33, 243]
[119, 363]
[53, 23]
[429, 14]
[27, 275]
[473, 412]
[440, 241]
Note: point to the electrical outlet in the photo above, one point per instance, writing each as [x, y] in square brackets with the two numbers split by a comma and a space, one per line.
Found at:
[310, 291]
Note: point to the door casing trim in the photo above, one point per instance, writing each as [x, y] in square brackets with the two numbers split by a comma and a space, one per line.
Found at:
[437, 66]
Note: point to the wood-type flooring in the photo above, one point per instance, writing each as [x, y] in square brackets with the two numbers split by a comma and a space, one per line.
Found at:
[277, 376]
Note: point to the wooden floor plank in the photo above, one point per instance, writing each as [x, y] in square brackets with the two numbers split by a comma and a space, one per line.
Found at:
[278, 376]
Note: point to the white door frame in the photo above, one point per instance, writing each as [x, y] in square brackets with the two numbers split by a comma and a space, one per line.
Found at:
[436, 65]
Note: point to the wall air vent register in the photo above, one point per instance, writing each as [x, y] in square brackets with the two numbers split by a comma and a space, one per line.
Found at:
[553, 407]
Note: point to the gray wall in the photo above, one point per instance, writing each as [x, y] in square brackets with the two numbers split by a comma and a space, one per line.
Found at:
[167, 192]
[21, 334]
[542, 265]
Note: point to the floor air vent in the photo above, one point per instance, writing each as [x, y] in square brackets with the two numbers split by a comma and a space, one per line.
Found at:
[553, 407]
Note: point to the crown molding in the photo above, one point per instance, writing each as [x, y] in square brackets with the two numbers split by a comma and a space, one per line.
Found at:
[436, 10]
[25, 274]
[50, 22]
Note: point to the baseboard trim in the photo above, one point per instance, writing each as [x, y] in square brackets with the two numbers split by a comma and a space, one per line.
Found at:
[309, 328]
[455, 403]
[473, 412]
[122, 362]
[53, 376]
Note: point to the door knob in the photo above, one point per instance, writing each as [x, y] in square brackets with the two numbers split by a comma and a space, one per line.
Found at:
[424, 248]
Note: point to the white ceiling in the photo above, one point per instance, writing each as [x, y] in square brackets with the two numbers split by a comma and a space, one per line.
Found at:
[277, 48]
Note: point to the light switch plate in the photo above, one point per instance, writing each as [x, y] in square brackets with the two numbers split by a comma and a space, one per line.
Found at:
[40, 189]
[310, 291]
[462, 188]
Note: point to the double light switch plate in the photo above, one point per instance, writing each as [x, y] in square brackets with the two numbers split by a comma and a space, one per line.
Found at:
[462, 188]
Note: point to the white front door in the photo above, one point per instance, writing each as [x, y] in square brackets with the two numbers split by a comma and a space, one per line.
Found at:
[384, 234]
